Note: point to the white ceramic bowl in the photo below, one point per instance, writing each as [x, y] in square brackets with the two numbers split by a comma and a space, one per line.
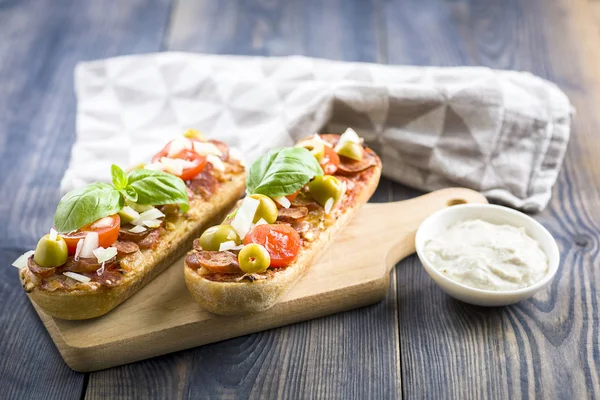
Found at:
[443, 219]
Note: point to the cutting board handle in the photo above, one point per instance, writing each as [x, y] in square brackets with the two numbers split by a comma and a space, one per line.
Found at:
[393, 225]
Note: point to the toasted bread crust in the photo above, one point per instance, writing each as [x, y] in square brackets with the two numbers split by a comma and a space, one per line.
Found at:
[88, 303]
[244, 297]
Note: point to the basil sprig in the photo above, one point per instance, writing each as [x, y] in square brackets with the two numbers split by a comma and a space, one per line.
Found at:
[157, 187]
[85, 205]
[118, 177]
[281, 172]
[97, 200]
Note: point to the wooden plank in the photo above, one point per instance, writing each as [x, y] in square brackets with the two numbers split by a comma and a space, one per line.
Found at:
[595, 8]
[41, 43]
[302, 354]
[30, 364]
[338, 29]
[351, 354]
[547, 347]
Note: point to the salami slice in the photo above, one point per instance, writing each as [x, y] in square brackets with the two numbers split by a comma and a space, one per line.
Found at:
[151, 240]
[108, 278]
[223, 148]
[306, 202]
[205, 183]
[87, 265]
[125, 234]
[350, 167]
[214, 261]
[125, 247]
[292, 214]
[39, 270]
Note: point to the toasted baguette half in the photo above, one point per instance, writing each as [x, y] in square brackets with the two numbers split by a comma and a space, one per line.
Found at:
[89, 301]
[245, 297]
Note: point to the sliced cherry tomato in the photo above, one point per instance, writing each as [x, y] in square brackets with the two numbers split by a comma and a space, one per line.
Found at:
[281, 241]
[330, 161]
[198, 161]
[107, 229]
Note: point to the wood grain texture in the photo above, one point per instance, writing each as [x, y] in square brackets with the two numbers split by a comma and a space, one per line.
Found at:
[30, 365]
[547, 347]
[351, 354]
[595, 8]
[337, 29]
[347, 355]
[41, 43]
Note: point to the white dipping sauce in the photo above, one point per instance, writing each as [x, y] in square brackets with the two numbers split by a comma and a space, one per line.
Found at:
[486, 256]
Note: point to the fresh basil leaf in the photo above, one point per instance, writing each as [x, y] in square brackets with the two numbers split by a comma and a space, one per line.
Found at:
[281, 172]
[129, 193]
[83, 206]
[157, 187]
[118, 177]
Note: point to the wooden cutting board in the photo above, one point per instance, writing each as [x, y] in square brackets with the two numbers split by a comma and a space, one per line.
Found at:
[162, 317]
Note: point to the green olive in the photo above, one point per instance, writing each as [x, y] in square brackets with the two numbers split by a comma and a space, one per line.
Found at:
[51, 253]
[267, 209]
[325, 187]
[351, 150]
[212, 238]
[316, 148]
[254, 258]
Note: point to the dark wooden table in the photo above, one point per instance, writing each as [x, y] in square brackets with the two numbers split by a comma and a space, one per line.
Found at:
[418, 342]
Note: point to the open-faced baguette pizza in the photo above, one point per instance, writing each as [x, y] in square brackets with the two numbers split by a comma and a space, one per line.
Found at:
[110, 240]
[298, 200]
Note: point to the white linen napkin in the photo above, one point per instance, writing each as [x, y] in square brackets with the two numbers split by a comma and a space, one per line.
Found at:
[503, 133]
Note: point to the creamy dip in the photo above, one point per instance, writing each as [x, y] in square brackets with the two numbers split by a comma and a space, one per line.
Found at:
[486, 256]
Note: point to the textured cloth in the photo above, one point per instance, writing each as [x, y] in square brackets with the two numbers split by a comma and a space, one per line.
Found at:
[503, 133]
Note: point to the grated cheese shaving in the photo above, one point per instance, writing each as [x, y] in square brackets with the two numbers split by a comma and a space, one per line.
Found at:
[77, 277]
[236, 154]
[344, 188]
[230, 245]
[148, 215]
[103, 254]
[328, 205]
[137, 229]
[206, 148]
[89, 244]
[178, 145]
[102, 223]
[283, 201]
[242, 222]
[176, 166]
[156, 166]
[153, 223]
[78, 249]
[100, 270]
[21, 262]
[216, 162]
